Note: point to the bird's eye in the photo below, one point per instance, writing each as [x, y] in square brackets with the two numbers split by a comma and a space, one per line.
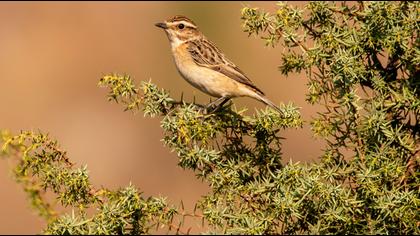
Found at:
[181, 26]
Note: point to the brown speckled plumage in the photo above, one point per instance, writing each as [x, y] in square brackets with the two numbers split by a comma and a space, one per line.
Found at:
[181, 18]
[204, 66]
[206, 54]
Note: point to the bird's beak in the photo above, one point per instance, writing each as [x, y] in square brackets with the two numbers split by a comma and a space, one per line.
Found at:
[161, 25]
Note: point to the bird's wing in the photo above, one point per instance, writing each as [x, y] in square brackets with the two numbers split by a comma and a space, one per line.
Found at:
[206, 54]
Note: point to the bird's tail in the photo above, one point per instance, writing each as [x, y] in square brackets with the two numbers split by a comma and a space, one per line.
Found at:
[265, 100]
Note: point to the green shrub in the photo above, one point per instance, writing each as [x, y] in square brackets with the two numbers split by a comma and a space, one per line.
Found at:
[362, 64]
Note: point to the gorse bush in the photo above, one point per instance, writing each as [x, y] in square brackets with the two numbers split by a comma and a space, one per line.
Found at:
[362, 64]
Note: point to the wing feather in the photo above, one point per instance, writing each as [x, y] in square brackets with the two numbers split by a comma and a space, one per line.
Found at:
[205, 54]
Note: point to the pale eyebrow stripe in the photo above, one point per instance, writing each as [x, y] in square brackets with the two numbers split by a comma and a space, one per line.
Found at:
[186, 23]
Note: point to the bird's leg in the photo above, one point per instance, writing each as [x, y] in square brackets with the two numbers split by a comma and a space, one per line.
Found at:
[223, 99]
[214, 102]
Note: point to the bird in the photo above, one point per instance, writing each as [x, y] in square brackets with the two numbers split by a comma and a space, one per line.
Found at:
[205, 67]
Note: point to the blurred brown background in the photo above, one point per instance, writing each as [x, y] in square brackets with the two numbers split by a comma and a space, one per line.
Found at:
[52, 55]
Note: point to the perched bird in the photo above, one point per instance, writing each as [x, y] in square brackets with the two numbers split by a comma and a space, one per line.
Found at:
[205, 67]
